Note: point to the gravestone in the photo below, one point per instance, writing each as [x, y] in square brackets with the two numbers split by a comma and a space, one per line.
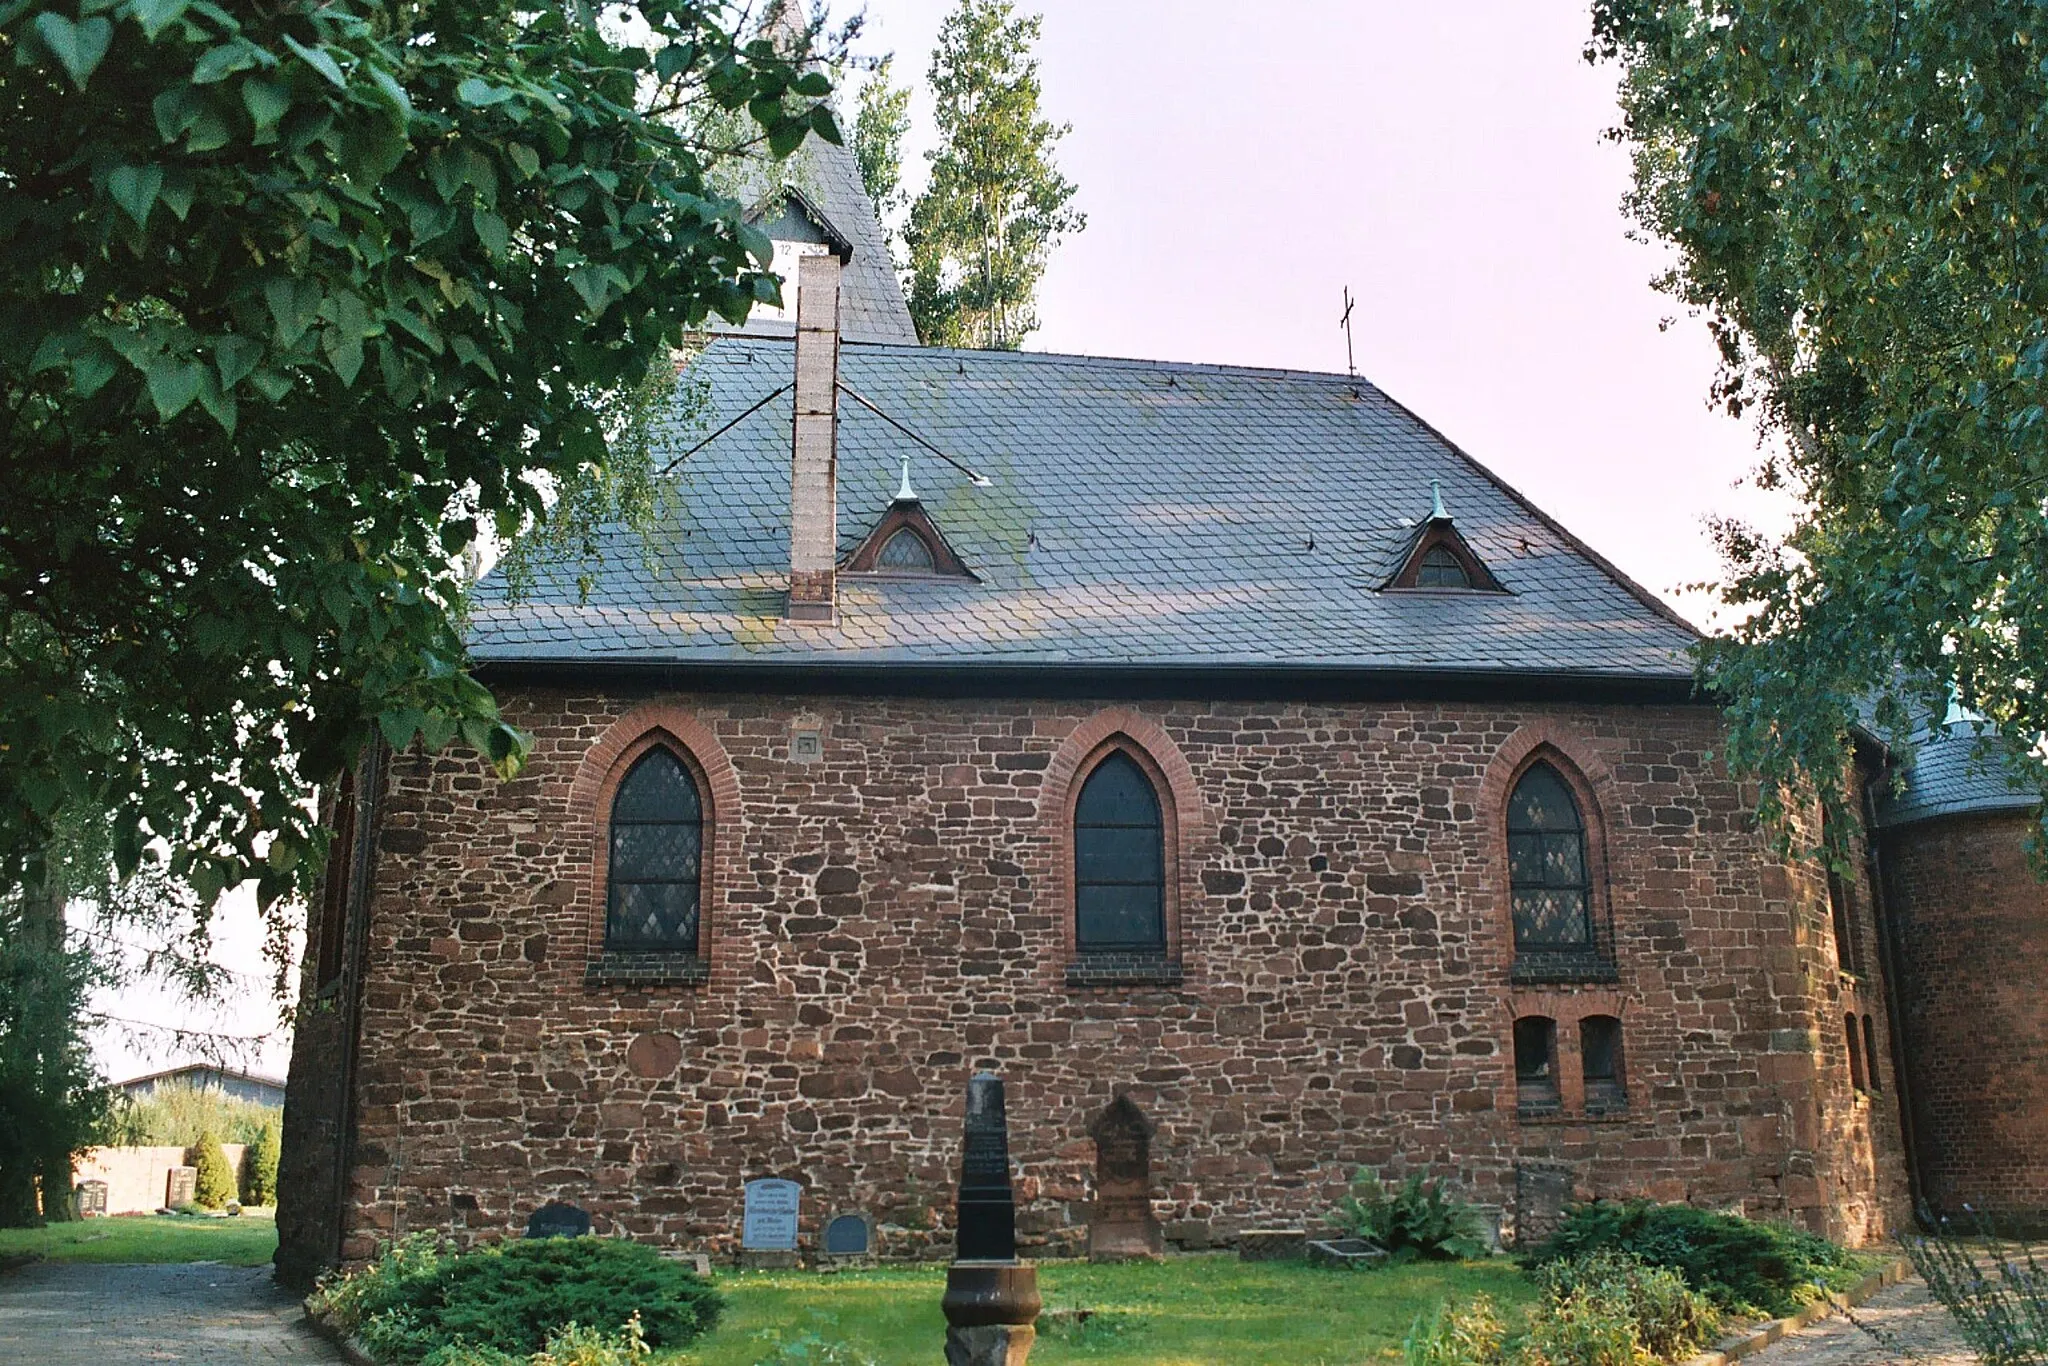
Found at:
[992, 1301]
[557, 1219]
[849, 1236]
[181, 1186]
[1122, 1226]
[92, 1199]
[768, 1232]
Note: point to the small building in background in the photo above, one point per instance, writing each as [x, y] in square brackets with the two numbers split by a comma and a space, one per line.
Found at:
[199, 1076]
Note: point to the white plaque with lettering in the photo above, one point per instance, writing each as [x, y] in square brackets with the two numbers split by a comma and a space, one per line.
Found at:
[771, 1215]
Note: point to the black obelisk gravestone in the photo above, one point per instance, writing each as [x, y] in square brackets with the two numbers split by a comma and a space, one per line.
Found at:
[991, 1300]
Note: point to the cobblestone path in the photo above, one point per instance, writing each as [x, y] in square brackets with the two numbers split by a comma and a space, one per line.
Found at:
[68, 1313]
[1910, 1326]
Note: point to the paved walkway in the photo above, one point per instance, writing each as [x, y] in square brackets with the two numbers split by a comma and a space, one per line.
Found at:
[1906, 1324]
[72, 1313]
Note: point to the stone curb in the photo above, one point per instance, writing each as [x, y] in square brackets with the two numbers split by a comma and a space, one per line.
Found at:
[1763, 1335]
[350, 1348]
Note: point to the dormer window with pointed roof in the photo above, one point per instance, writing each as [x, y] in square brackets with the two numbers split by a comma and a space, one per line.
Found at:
[1439, 558]
[907, 543]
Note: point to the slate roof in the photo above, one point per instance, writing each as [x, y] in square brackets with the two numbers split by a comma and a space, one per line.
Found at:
[1139, 514]
[871, 307]
[1952, 771]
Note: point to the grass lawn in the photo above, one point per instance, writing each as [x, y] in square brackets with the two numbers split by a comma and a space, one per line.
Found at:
[1188, 1311]
[247, 1240]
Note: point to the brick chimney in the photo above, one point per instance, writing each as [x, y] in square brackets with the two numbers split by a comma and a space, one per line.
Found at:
[814, 467]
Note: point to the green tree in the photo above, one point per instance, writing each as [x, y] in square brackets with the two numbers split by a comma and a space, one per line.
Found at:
[994, 205]
[213, 1180]
[300, 301]
[259, 1165]
[52, 1101]
[879, 124]
[1857, 196]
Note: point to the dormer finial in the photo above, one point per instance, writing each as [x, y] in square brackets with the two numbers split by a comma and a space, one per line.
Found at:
[1436, 502]
[905, 493]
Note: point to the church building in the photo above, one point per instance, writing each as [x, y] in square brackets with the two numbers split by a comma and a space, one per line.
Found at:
[1258, 784]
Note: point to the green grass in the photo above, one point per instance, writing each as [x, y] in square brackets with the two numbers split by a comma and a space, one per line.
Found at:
[1189, 1311]
[247, 1240]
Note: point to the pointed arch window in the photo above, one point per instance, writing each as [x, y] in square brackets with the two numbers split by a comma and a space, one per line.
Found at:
[1440, 567]
[1119, 861]
[655, 873]
[1551, 888]
[906, 551]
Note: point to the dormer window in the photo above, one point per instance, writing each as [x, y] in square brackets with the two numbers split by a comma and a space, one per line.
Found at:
[1438, 557]
[907, 552]
[1441, 568]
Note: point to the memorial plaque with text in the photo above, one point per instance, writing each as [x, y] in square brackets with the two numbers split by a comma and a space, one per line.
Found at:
[771, 1218]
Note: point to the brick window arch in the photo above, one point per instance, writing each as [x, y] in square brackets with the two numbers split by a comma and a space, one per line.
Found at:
[1097, 807]
[632, 794]
[1545, 800]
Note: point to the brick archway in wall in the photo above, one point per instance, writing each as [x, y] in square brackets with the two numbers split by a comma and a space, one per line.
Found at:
[597, 779]
[1182, 815]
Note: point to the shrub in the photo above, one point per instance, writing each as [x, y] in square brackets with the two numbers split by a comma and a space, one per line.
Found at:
[214, 1181]
[572, 1345]
[1583, 1329]
[1739, 1264]
[1997, 1294]
[178, 1115]
[1672, 1321]
[259, 1167]
[1470, 1335]
[512, 1298]
[1414, 1220]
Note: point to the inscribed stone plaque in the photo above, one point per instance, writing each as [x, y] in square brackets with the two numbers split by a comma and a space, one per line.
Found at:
[771, 1215]
[1122, 1225]
[557, 1219]
[181, 1186]
[92, 1198]
[847, 1236]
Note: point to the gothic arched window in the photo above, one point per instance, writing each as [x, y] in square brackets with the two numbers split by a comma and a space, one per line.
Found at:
[1440, 567]
[1547, 865]
[654, 879]
[1119, 861]
[906, 550]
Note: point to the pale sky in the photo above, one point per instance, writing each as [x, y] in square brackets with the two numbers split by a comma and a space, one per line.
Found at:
[1241, 165]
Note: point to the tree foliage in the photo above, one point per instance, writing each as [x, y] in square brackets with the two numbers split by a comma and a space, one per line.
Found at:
[879, 125]
[259, 1162]
[213, 1180]
[1857, 193]
[994, 204]
[52, 1100]
[300, 300]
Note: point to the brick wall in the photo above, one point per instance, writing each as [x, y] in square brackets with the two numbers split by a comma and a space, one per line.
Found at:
[884, 921]
[1972, 921]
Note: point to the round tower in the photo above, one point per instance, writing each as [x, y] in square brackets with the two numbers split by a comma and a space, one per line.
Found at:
[1968, 922]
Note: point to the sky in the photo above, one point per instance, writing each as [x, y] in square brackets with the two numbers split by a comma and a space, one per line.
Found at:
[1241, 166]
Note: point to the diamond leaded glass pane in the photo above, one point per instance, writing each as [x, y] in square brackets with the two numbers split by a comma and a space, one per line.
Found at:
[906, 550]
[1119, 861]
[657, 847]
[1547, 863]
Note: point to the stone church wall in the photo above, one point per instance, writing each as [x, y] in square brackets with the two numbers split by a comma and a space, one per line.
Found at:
[890, 917]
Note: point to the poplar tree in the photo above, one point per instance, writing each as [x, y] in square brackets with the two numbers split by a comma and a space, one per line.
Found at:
[994, 204]
[879, 125]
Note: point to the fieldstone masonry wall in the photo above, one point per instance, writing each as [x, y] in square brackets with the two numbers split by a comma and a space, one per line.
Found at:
[887, 919]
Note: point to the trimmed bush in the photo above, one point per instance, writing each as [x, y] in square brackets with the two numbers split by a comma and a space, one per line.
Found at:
[1741, 1265]
[1414, 1220]
[214, 1180]
[513, 1297]
[259, 1167]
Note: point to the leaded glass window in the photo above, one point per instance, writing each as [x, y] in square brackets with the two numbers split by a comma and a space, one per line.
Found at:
[1119, 862]
[1441, 568]
[657, 856]
[1547, 864]
[906, 550]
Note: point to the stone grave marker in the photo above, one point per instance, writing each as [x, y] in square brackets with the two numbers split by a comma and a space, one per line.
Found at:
[181, 1186]
[1122, 1225]
[92, 1199]
[849, 1237]
[558, 1219]
[768, 1232]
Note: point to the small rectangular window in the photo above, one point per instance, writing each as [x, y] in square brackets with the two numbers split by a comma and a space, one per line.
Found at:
[1536, 1065]
[1855, 1052]
[1870, 1071]
[1841, 907]
[1600, 1049]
